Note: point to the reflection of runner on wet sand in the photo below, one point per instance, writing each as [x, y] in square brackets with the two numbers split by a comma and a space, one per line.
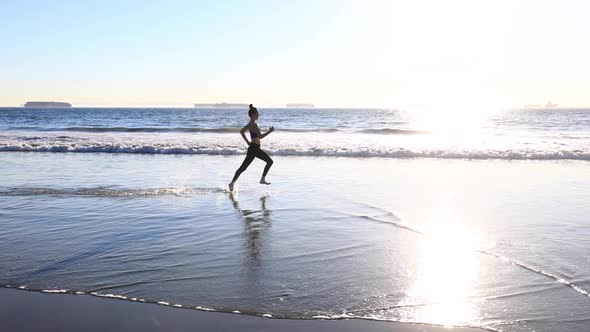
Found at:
[255, 222]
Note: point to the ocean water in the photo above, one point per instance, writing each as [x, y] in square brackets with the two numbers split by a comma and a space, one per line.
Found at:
[517, 134]
[372, 214]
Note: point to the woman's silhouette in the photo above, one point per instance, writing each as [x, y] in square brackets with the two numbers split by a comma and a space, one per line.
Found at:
[254, 147]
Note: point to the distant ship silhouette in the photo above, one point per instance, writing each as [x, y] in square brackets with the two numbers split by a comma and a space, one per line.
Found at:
[537, 106]
[221, 105]
[550, 105]
[46, 104]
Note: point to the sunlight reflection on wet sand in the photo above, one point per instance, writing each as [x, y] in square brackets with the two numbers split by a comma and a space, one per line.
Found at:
[446, 270]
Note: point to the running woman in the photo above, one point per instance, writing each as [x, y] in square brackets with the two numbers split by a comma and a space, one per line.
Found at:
[254, 147]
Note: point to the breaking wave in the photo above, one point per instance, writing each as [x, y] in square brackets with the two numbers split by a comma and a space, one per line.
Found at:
[331, 151]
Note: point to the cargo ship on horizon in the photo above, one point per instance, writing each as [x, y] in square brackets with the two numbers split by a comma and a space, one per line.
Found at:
[46, 104]
[221, 105]
[537, 106]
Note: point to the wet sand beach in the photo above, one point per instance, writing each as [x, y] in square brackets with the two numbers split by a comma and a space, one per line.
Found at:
[33, 311]
[476, 243]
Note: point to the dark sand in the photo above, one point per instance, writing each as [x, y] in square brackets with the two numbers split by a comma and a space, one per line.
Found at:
[33, 311]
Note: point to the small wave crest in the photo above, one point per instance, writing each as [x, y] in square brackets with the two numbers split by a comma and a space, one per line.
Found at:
[133, 129]
[165, 129]
[360, 152]
[106, 191]
[394, 131]
[266, 315]
[380, 131]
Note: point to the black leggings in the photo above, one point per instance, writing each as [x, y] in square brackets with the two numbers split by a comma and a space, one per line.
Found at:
[253, 151]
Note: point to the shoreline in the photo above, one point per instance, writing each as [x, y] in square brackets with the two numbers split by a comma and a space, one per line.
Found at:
[29, 310]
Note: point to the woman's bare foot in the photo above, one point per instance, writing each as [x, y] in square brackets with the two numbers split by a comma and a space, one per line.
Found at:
[263, 181]
[231, 186]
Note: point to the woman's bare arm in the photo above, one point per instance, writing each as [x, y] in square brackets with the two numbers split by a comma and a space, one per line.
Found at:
[243, 132]
[261, 135]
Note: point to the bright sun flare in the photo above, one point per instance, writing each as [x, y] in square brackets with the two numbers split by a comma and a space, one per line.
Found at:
[451, 121]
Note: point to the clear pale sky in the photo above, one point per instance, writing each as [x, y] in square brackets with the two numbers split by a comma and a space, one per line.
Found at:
[328, 52]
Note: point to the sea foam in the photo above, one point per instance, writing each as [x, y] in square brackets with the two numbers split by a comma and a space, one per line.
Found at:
[366, 152]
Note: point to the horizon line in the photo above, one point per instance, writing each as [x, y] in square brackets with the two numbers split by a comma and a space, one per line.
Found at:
[179, 106]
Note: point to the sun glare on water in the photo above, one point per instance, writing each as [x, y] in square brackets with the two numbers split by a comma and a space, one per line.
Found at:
[446, 274]
[452, 123]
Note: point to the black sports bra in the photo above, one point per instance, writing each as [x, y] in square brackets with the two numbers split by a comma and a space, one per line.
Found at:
[253, 135]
